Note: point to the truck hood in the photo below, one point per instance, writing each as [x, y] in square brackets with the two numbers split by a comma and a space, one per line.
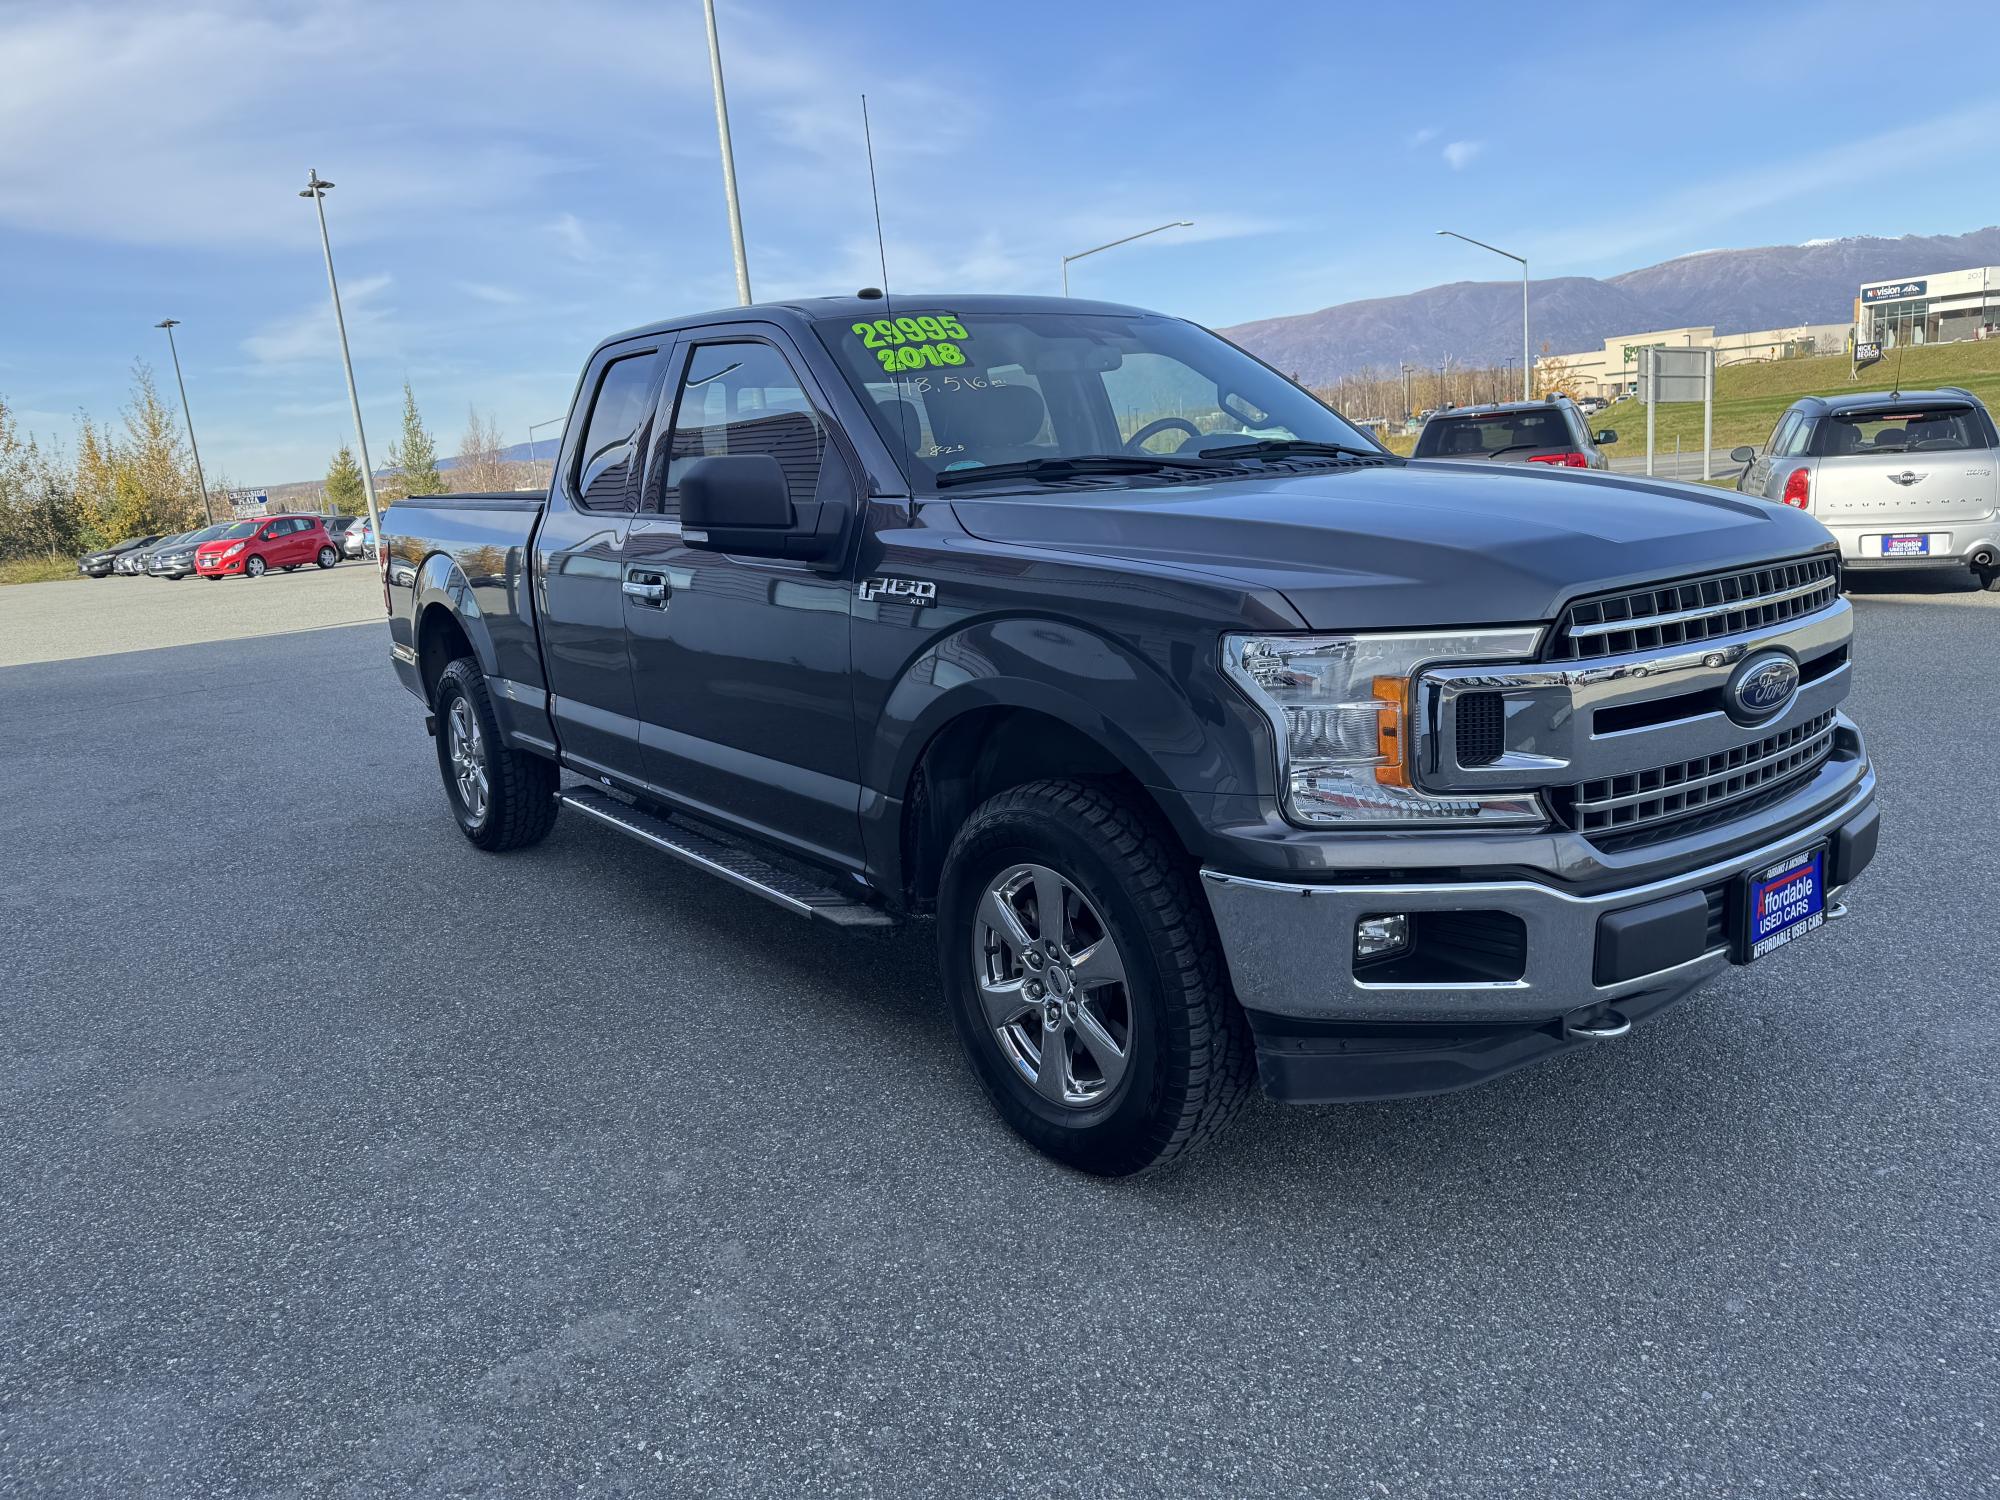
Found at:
[1411, 545]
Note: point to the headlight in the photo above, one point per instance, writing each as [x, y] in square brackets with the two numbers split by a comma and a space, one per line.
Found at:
[1343, 709]
[232, 552]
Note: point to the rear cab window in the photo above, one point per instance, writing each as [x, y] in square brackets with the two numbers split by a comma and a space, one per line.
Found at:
[1484, 434]
[604, 474]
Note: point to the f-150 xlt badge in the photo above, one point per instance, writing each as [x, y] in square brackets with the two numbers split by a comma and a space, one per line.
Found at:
[907, 590]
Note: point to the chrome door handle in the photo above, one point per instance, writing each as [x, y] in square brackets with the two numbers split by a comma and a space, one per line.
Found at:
[641, 592]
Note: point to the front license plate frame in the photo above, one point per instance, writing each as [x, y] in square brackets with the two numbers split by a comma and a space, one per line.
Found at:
[1906, 544]
[1779, 902]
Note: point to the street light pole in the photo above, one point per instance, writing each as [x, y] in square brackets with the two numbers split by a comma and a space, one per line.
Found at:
[1177, 224]
[316, 189]
[1526, 362]
[728, 158]
[170, 324]
[533, 456]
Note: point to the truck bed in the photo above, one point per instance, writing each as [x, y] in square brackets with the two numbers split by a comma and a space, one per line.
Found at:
[478, 542]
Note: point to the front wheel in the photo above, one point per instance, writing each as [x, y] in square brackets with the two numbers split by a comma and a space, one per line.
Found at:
[1085, 979]
[503, 798]
[327, 557]
[254, 568]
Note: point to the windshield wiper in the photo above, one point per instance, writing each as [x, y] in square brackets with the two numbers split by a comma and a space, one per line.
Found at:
[1290, 448]
[1057, 469]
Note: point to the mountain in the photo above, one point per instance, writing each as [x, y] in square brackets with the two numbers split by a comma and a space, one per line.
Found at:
[544, 451]
[1479, 322]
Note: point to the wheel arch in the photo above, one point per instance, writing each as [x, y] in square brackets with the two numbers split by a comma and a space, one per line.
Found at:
[943, 750]
[448, 622]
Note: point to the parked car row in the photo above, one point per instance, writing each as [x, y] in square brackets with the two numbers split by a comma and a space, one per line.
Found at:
[228, 549]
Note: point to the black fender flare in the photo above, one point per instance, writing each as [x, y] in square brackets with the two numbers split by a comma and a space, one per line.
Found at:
[441, 583]
[1114, 696]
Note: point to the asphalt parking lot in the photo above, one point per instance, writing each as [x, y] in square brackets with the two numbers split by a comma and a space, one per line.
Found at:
[340, 1159]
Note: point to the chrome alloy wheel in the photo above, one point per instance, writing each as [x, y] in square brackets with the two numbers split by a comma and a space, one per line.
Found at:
[468, 759]
[1052, 985]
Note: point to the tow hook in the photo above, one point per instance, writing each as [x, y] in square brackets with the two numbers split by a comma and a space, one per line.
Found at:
[1595, 1023]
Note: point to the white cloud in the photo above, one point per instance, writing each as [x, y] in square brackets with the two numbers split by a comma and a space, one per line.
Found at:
[571, 235]
[485, 291]
[1458, 155]
[1832, 168]
[311, 333]
[1424, 136]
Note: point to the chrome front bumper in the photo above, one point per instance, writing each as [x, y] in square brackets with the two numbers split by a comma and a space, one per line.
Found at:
[1290, 947]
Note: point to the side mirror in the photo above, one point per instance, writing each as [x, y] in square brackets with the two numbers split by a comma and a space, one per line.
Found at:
[1607, 437]
[1743, 455]
[742, 503]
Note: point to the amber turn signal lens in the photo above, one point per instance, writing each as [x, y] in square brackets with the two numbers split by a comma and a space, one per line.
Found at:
[1393, 693]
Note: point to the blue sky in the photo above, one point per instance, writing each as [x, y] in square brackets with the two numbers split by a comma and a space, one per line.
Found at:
[517, 180]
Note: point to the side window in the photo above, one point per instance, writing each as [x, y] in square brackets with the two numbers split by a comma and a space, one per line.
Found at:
[605, 476]
[1780, 434]
[1796, 436]
[744, 398]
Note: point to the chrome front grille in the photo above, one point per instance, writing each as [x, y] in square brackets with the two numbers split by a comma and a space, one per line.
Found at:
[1643, 806]
[1695, 609]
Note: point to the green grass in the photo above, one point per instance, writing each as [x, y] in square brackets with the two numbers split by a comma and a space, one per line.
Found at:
[1750, 397]
[37, 569]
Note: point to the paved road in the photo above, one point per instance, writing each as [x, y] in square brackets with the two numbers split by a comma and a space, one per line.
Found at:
[1629, 457]
[90, 616]
[338, 1159]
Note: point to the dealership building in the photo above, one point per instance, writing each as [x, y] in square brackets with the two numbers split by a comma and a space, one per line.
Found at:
[1613, 371]
[1941, 307]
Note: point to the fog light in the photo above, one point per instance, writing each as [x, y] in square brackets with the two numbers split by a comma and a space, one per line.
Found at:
[1381, 936]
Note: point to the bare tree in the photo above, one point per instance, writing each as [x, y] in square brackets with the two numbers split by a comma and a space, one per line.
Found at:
[481, 465]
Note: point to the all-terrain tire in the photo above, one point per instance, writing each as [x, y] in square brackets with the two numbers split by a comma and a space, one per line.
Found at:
[1192, 1060]
[521, 801]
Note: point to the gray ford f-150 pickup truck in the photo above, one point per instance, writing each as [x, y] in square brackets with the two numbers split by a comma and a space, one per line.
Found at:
[1218, 741]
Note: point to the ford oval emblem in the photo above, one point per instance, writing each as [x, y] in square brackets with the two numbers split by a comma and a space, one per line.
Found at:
[1761, 687]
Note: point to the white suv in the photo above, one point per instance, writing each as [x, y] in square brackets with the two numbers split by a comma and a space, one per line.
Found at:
[1902, 478]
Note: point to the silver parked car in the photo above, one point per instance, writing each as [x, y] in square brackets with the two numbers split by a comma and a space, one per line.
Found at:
[1903, 479]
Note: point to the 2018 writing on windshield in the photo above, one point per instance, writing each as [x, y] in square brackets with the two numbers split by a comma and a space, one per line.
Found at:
[914, 343]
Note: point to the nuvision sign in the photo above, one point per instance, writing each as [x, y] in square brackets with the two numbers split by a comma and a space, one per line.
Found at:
[1893, 291]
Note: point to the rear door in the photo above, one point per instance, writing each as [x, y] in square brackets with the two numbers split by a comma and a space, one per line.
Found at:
[1910, 471]
[579, 565]
[742, 663]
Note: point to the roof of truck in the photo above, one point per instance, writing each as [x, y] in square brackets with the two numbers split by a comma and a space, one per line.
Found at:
[852, 307]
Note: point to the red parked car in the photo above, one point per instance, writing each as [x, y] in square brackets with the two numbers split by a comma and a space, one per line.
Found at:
[253, 548]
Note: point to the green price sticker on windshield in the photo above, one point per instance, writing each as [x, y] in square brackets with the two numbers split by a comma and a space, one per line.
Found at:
[907, 343]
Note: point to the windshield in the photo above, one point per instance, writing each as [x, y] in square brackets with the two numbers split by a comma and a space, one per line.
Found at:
[206, 534]
[1479, 434]
[956, 392]
[237, 532]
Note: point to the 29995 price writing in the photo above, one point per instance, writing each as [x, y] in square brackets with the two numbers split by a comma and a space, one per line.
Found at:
[914, 343]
